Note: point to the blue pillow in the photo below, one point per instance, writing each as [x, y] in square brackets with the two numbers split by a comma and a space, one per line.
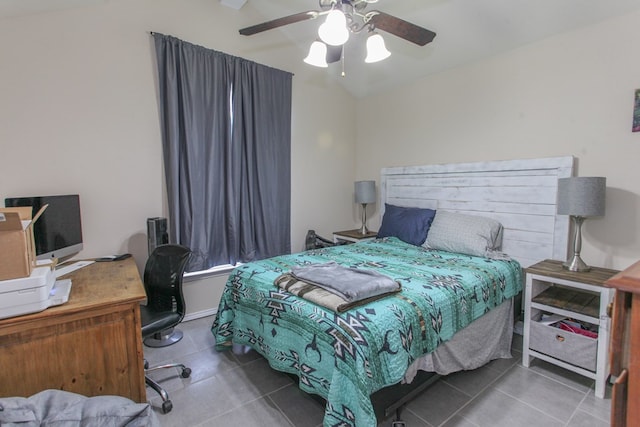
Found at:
[410, 225]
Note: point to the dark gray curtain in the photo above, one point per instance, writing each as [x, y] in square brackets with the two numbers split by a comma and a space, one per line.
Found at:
[226, 133]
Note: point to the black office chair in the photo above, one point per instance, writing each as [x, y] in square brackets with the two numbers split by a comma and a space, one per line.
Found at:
[165, 308]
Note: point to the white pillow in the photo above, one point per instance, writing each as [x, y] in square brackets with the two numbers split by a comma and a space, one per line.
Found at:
[466, 234]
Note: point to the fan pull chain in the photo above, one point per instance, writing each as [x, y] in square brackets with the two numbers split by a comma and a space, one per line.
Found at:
[342, 61]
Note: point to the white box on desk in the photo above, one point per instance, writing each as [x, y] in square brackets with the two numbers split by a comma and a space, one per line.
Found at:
[26, 294]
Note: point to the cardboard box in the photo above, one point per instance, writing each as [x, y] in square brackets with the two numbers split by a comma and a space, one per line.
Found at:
[17, 245]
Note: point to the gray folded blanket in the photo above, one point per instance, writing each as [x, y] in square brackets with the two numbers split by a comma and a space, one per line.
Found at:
[320, 296]
[351, 284]
[65, 409]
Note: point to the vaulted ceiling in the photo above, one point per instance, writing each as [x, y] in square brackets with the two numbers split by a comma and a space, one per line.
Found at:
[467, 31]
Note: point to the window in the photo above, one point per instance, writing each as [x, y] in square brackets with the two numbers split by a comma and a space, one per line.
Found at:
[226, 134]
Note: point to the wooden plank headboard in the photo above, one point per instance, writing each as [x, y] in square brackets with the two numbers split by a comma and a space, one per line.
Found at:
[521, 194]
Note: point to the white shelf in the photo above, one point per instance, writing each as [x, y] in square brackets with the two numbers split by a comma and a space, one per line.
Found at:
[584, 286]
[352, 236]
[567, 313]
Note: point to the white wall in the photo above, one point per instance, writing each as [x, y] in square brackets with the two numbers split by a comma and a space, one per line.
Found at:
[78, 114]
[568, 95]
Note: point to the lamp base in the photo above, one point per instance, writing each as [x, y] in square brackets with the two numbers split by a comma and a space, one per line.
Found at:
[364, 230]
[576, 264]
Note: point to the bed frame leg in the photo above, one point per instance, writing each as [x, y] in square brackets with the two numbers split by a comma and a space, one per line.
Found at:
[398, 421]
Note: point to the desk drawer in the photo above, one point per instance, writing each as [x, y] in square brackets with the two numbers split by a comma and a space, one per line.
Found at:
[572, 348]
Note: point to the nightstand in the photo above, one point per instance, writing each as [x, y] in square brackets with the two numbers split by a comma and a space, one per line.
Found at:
[352, 236]
[552, 290]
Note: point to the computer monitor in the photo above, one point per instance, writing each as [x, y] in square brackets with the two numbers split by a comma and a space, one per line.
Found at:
[58, 232]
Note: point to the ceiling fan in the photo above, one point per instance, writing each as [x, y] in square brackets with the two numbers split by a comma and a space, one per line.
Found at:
[344, 17]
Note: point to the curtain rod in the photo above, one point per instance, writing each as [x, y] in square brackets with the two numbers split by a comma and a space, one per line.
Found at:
[153, 33]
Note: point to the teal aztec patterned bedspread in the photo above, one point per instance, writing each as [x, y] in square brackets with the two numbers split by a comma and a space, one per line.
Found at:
[345, 357]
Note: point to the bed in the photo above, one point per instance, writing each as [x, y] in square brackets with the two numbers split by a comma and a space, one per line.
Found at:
[457, 295]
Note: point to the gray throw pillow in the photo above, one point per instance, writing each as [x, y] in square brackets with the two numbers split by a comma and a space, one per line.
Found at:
[465, 234]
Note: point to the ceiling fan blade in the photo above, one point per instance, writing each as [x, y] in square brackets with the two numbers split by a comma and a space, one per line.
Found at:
[403, 29]
[285, 20]
[334, 54]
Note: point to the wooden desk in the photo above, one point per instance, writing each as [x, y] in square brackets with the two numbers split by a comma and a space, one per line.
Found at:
[625, 347]
[91, 345]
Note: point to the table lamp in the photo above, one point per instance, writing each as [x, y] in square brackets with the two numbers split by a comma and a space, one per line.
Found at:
[365, 192]
[580, 197]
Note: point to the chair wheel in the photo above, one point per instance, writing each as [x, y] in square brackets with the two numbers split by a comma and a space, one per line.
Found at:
[186, 372]
[167, 406]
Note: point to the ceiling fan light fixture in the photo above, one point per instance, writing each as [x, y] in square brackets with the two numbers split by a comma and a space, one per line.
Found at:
[376, 49]
[344, 17]
[317, 55]
[334, 30]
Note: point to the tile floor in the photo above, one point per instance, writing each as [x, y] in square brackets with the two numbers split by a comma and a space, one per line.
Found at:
[226, 389]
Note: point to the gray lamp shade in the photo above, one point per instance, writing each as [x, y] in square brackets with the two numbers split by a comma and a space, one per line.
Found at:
[581, 196]
[365, 191]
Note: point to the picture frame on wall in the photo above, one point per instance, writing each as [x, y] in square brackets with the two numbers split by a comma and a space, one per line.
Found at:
[636, 113]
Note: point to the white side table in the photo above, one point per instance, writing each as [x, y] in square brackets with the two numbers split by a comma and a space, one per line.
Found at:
[352, 236]
[581, 296]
